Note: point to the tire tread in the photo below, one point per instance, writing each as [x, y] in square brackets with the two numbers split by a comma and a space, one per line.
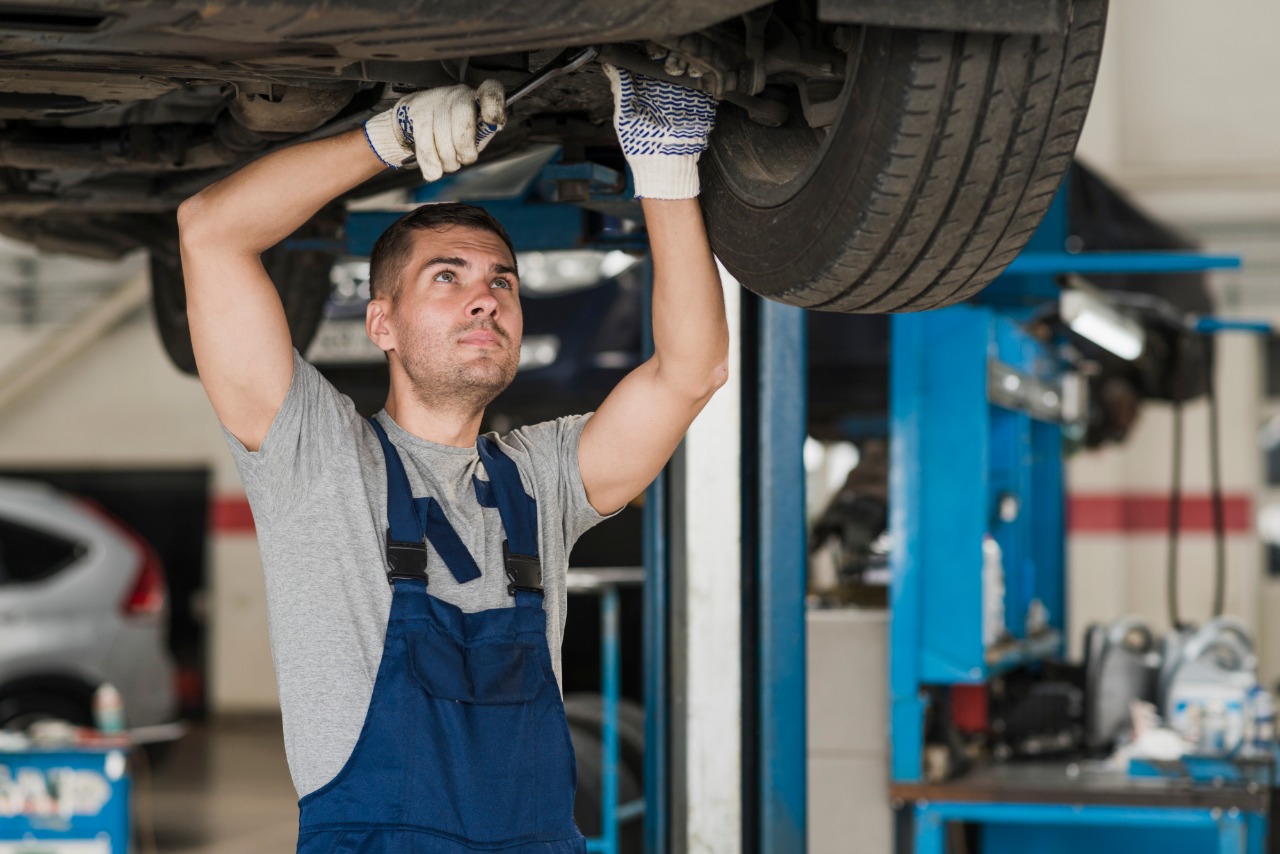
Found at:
[941, 186]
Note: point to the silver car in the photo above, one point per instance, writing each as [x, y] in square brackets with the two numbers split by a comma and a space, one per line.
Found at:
[83, 601]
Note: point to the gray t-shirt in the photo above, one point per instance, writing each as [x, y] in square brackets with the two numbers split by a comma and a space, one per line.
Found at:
[318, 490]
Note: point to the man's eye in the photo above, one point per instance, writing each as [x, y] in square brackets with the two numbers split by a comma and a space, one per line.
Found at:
[501, 283]
[445, 276]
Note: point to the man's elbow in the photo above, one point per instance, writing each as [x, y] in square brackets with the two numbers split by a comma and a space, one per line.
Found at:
[205, 220]
[192, 220]
[719, 376]
[704, 385]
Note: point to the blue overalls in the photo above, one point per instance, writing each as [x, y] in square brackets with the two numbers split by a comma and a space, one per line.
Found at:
[465, 746]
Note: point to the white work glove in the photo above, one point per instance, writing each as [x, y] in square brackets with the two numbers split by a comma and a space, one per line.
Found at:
[663, 129]
[445, 128]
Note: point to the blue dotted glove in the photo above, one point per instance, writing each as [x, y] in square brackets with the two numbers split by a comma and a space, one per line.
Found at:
[663, 129]
[445, 128]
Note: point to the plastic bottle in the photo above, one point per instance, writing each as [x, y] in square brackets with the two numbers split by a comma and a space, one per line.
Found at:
[993, 627]
[108, 710]
[1215, 727]
[1234, 727]
[1262, 707]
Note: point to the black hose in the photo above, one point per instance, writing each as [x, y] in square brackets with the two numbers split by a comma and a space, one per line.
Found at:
[1215, 484]
[1175, 512]
[1175, 487]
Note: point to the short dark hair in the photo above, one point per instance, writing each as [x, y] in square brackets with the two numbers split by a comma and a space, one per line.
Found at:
[394, 248]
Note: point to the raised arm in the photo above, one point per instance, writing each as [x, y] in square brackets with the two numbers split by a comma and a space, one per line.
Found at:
[637, 428]
[238, 329]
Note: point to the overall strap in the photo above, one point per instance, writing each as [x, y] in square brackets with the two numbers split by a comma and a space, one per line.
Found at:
[413, 521]
[406, 537]
[519, 513]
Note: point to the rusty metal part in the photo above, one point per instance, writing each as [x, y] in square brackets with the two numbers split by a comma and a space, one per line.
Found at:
[771, 114]
[136, 148]
[86, 201]
[569, 60]
[290, 109]
[736, 62]
[713, 84]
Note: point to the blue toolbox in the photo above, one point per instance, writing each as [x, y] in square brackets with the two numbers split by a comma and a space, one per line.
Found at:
[66, 800]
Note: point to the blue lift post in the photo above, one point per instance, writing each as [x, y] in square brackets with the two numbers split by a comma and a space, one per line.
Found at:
[604, 583]
[657, 672]
[975, 445]
[782, 567]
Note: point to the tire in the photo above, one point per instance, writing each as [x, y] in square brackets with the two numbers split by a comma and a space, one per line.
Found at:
[22, 708]
[586, 711]
[301, 276]
[589, 797]
[944, 155]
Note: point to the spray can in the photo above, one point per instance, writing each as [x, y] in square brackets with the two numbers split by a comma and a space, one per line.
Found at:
[108, 710]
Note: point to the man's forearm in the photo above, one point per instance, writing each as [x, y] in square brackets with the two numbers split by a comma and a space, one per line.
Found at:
[690, 331]
[266, 201]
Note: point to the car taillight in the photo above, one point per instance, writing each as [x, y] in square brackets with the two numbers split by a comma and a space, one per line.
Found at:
[147, 593]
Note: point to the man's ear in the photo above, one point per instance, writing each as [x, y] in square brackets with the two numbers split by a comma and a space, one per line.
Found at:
[377, 324]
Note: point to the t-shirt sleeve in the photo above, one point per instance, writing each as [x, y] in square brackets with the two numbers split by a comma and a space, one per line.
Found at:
[313, 420]
[553, 449]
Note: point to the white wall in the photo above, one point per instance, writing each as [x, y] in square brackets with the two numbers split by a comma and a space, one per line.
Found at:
[1185, 111]
[122, 404]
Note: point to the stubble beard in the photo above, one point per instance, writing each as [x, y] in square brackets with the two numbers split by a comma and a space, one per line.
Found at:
[440, 380]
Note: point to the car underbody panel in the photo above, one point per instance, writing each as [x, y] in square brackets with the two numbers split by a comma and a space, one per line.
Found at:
[113, 112]
[137, 49]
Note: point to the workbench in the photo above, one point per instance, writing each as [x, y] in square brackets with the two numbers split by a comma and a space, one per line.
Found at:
[1052, 807]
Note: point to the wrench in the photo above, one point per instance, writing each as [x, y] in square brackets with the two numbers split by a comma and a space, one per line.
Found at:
[562, 64]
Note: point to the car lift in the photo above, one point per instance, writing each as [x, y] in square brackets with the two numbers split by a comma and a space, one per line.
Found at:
[977, 412]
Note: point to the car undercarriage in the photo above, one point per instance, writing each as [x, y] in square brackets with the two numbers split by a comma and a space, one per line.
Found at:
[924, 146]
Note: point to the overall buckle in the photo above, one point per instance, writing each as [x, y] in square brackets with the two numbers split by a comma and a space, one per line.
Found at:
[407, 560]
[523, 571]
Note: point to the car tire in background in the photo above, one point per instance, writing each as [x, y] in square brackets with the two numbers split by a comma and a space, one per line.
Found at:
[944, 155]
[588, 801]
[300, 267]
[34, 700]
[586, 711]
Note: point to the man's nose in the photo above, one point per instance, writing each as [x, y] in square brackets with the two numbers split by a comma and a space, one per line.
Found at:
[484, 302]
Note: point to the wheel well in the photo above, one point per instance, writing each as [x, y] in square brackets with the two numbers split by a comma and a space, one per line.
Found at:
[71, 688]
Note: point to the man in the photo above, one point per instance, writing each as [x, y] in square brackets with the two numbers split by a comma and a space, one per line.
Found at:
[424, 714]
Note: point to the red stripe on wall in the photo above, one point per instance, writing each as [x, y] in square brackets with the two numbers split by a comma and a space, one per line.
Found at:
[1087, 513]
[1125, 513]
[231, 515]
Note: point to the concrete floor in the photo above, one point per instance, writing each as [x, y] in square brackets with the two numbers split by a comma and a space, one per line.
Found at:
[223, 789]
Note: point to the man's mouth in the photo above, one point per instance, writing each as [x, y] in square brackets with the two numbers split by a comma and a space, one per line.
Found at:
[481, 338]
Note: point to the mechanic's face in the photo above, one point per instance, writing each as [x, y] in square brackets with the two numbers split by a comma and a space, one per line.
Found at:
[455, 323]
